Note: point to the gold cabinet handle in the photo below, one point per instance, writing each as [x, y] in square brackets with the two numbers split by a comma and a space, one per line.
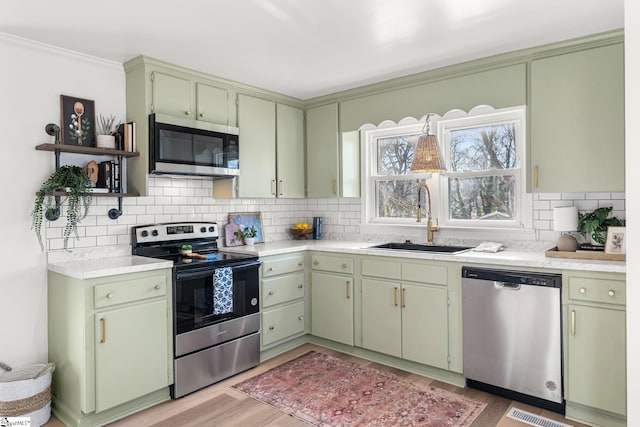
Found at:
[271, 328]
[299, 285]
[281, 187]
[103, 331]
[157, 287]
[316, 262]
[110, 295]
[573, 323]
[402, 298]
[188, 113]
[395, 296]
[335, 187]
[270, 292]
[612, 293]
[273, 187]
[582, 290]
[535, 176]
[347, 286]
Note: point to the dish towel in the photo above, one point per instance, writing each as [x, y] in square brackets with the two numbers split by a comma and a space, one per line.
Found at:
[222, 290]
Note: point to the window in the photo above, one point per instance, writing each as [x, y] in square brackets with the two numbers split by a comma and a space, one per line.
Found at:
[483, 186]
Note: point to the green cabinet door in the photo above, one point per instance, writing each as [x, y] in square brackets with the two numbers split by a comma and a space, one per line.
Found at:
[290, 151]
[332, 307]
[125, 369]
[424, 325]
[577, 121]
[381, 317]
[212, 104]
[171, 95]
[597, 362]
[256, 120]
[323, 151]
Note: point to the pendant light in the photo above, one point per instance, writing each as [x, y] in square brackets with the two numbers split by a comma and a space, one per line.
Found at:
[428, 157]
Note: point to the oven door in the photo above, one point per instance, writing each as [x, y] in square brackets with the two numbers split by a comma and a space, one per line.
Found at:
[215, 305]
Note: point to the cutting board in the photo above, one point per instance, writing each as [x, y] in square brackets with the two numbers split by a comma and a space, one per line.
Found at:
[230, 238]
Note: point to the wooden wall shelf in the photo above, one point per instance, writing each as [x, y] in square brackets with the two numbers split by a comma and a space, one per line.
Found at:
[79, 149]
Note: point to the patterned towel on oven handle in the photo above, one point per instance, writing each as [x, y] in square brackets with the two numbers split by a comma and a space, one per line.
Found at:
[223, 290]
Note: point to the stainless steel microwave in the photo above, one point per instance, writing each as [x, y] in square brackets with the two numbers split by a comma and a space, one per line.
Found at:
[192, 147]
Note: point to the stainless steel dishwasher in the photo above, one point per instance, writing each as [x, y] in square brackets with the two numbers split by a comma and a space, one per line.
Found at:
[512, 334]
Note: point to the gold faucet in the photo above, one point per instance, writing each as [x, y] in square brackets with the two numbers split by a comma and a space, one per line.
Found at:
[430, 227]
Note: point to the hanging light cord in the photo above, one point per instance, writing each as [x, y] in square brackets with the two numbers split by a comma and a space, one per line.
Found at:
[427, 124]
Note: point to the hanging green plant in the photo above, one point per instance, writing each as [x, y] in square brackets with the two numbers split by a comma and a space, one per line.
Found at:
[75, 182]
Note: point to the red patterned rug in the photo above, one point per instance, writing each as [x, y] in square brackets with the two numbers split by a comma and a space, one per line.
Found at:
[325, 391]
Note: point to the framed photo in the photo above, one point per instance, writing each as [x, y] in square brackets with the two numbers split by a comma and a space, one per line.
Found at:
[77, 120]
[616, 241]
[247, 219]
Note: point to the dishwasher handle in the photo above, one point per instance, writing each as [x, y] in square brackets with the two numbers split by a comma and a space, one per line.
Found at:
[507, 286]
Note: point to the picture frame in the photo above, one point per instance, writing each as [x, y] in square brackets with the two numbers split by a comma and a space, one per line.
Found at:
[616, 241]
[73, 131]
[248, 219]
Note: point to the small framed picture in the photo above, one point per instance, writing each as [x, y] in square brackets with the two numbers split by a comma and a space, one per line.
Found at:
[246, 220]
[77, 120]
[616, 241]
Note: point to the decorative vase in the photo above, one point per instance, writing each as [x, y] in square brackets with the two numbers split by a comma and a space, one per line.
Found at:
[106, 141]
[249, 241]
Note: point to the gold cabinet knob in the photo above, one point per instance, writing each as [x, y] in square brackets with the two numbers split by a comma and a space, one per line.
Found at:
[316, 262]
[157, 287]
[582, 290]
[270, 292]
[300, 317]
[110, 295]
[612, 293]
[188, 113]
[344, 265]
[271, 328]
[300, 264]
[271, 269]
[299, 285]
[201, 114]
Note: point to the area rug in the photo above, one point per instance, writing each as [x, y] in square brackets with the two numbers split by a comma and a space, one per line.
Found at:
[322, 390]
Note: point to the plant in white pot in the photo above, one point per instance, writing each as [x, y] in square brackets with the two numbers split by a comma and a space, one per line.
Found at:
[106, 129]
[247, 234]
[593, 225]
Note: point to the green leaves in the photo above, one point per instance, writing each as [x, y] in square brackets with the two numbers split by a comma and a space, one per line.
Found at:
[595, 223]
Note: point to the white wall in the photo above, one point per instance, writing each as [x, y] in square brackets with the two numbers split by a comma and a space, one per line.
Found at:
[632, 93]
[32, 78]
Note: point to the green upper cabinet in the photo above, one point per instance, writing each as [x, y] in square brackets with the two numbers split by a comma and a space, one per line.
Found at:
[577, 121]
[271, 149]
[322, 151]
[212, 104]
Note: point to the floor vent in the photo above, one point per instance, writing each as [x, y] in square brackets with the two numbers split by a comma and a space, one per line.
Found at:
[533, 419]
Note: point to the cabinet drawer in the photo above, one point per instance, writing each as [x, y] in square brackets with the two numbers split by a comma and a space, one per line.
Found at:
[597, 290]
[129, 290]
[282, 322]
[386, 269]
[336, 264]
[282, 289]
[424, 273]
[282, 265]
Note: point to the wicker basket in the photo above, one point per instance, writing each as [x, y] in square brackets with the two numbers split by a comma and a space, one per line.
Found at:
[26, 392]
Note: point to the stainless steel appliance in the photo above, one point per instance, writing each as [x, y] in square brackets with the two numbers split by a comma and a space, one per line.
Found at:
[512, 331]
[192, 147]
[216, 319]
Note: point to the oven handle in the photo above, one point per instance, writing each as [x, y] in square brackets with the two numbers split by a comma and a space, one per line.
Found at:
[200, 272]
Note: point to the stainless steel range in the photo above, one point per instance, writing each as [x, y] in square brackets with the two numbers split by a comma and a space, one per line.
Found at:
[216, 319]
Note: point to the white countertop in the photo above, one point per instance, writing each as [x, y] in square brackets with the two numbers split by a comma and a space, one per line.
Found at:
[108, 266]
[506, 258]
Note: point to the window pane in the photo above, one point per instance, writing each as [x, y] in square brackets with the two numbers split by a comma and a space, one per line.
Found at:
[395, 154]
[483, 198]
[483, 148]
[397, 199]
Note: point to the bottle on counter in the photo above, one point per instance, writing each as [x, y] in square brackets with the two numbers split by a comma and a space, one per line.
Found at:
[317, 228]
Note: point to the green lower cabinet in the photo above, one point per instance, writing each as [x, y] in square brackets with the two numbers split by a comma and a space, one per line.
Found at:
[596, 358]
[405, 320]
[332, 307]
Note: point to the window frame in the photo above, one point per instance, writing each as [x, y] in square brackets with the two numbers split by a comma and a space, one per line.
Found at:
[438, 182]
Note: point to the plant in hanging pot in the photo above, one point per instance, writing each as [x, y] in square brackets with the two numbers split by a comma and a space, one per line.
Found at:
[74, 181]
[106, 129]
[594, 224]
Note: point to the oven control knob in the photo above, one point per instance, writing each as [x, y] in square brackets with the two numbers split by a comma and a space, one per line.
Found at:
[203, 229]
[144, 233]
[212, 229]
[154, 233]
[254, 301]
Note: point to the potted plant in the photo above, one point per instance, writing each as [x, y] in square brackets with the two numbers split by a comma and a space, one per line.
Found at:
[106, 129]
[74, 181]
[594, 224]
[247, 234]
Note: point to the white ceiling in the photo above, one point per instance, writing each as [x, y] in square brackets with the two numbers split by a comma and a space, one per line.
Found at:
[306, 48]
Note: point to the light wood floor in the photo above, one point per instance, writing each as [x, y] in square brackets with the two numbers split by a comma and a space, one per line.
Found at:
[221, 405]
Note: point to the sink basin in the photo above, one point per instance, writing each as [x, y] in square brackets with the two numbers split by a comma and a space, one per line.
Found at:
[423, 248]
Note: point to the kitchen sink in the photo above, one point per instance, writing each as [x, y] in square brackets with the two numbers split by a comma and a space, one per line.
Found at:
[408, 246]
